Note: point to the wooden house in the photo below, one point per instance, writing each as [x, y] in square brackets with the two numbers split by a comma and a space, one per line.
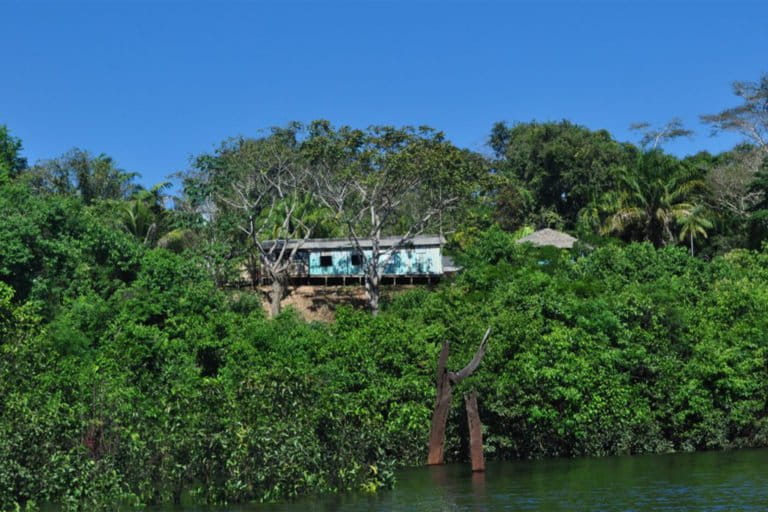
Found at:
[339, 261]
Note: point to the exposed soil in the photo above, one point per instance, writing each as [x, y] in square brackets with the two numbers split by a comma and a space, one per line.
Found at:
[319, 303]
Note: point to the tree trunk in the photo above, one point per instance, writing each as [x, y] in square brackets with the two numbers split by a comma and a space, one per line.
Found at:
[254, 272]
[442, 407]
[691, 244]
[372, 292]
[277, 294]
[654, 231]
[445, 382]
[475, 432]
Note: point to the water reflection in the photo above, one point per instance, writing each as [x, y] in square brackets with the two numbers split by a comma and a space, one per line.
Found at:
[703, 482]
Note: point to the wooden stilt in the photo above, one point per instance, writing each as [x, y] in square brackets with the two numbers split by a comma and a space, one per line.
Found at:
[475, 432]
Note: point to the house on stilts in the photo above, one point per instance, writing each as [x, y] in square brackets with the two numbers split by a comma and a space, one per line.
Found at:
[338, 261]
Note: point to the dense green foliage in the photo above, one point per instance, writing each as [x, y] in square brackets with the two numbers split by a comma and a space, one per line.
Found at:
[146, 384]
[130, 374]
[165, 385]
[624, 350]
[553, 170]
[11, 161]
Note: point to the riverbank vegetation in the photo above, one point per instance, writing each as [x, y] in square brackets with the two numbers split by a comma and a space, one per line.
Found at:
[130, 374]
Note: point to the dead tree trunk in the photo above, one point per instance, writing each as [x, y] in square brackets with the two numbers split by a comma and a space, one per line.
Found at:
[445, 382]
[475, 432]
[442, 407]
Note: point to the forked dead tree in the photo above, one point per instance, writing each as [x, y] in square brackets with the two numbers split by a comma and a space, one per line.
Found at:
[445, 382]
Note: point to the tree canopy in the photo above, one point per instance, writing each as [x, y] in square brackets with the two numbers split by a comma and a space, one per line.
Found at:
[555, 170]
[136, 368]
[11, 161]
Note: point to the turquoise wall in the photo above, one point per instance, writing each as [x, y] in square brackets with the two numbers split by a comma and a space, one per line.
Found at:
[421, 260]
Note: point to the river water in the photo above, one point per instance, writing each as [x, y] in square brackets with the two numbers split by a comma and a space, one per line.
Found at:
[709, 481]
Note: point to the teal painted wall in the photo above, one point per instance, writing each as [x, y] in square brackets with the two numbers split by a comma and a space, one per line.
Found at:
[420, 260]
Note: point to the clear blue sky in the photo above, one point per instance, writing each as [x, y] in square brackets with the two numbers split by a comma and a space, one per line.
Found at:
[152, 83]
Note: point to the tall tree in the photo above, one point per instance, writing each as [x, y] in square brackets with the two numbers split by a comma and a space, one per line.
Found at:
[750, 118]
[79, 172]
[387, 181]
[562, 167]
[654, 138]
[730, 179]
[694, 223]
[11, 161]
[260, 185]
[758, 211]
[144, 215]
[650, 197]
[199, 228]
[735, 182]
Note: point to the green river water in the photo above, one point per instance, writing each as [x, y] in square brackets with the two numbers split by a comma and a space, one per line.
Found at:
[709, 481]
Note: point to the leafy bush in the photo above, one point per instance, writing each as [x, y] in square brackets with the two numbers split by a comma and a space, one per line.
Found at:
[139, 382]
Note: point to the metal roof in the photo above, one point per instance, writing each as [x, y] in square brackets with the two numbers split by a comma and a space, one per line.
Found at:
[328, 244]
[549, 237]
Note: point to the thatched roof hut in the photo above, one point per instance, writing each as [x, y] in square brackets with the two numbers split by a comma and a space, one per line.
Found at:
[549, 237]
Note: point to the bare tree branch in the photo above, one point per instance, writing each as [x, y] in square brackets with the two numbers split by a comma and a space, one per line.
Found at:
[468, 370]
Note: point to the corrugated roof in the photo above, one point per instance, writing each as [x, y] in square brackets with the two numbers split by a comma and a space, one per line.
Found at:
[345, 243]
[549, 237]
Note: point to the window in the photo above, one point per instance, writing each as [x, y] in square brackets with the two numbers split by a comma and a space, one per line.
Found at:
[326, 261]
[357, 260]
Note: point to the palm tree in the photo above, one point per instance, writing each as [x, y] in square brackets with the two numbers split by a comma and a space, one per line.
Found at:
[694, 223]
[651, 196]
[144, 216]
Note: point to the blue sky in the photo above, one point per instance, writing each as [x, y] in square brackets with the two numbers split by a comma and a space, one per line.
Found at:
[153, 83]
